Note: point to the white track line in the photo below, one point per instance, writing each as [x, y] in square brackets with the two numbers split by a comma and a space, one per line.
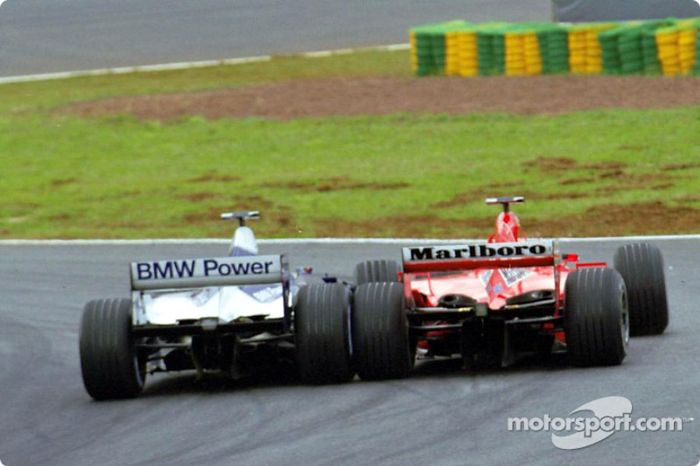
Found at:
[192, 64]
[310, 241]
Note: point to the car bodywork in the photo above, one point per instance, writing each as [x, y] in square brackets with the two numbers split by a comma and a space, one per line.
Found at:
[197, 313]
[230, 314]
[490, 301]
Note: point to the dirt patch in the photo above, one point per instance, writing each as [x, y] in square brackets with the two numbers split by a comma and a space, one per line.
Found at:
[384, 95]
[624, 181]
[617, 220]
[607, 171]
[205, 218]
[679, 166]
[461, 199]
[549, 164]
[615, 174]
[58, 182]
[214, 177]
[601, 220]
[336, 183]
[197, 197]
[608, 166]
[572, 181]
[275, 219]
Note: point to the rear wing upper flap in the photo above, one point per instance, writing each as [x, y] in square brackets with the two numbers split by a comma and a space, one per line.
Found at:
[214, 271]
[481, 254]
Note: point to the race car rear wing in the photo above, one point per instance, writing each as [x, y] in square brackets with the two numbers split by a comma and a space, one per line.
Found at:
[481, 254]
[216, 271]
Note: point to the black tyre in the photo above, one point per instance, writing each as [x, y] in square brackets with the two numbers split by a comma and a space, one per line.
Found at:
[642, 267]
[109, 360]
[322, 328]
[380, 332]
[596, 317]
[377, 271]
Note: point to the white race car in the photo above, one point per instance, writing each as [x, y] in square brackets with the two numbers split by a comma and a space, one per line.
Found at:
[226, 314]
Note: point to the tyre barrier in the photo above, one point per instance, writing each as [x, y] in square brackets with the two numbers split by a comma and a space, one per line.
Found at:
[668, 47]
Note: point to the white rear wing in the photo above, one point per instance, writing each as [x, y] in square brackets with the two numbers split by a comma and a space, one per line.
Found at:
[215, 271]
[481, 254]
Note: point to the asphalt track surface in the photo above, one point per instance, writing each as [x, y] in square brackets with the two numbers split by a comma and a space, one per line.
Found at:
[37, 36]
[441, 415]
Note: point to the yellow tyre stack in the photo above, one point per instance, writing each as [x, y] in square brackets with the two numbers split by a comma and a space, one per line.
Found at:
[533, 57]
[585, 53]
[461, 57]
[468, 53]
[414, 52]
[515, 54]
[457, 48]
[667, 45]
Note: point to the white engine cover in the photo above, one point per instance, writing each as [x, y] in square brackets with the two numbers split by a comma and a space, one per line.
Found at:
[225, 303]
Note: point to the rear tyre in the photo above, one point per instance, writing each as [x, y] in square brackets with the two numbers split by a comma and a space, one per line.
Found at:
[642, 267]
[380, 332]
[596, 317]
[109, 360]
[321, 325]
[377, 271]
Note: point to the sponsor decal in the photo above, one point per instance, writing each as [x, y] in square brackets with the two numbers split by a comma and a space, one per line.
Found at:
[183, 269]
[215, 271]
[479, 251]
[514, 275]
[594, 422]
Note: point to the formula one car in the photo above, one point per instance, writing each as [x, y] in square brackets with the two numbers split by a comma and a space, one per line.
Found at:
[491, 301]
[224, 314]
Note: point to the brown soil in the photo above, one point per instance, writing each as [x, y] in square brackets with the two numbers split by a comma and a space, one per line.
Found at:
[335, 183]
[600, 220]
[680, 166]
[58, 182]
[383, 95]
[214, 177]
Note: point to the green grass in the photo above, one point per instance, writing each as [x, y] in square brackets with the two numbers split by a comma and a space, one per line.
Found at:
[398, 175]
[21, 98]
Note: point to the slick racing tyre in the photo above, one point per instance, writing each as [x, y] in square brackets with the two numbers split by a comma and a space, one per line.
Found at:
[109, 360]
[322, 332]
[380, 332]
[642, 267]
[596, 318]
[376, 271]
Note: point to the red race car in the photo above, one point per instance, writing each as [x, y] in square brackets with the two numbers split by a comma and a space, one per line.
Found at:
[490, 301]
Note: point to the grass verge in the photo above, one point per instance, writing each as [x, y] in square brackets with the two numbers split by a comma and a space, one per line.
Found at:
[588, 173]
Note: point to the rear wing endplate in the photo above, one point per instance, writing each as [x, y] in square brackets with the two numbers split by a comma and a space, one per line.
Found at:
[481, 254]
[215, 271]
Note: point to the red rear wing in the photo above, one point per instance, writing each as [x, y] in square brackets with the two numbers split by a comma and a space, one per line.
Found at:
[474, 255]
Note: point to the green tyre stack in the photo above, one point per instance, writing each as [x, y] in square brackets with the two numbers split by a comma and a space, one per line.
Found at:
[612, 63]
[554, 49]
[424, 52]
[437, 44]
[650, 53]
[629, 45]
